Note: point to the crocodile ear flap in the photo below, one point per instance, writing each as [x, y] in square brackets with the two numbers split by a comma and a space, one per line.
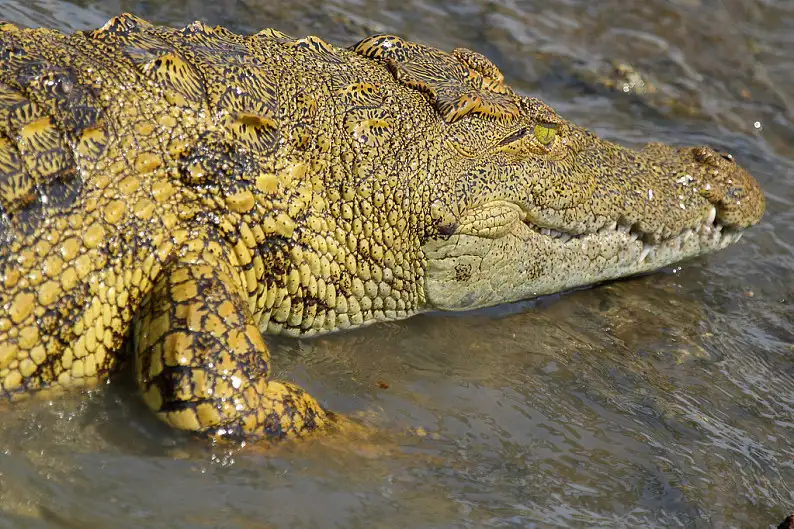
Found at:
[455, 84]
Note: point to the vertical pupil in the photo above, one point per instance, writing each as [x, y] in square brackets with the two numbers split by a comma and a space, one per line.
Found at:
[545, 132]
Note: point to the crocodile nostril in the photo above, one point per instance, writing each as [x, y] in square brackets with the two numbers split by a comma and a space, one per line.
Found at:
[709, 156]
[702, 154]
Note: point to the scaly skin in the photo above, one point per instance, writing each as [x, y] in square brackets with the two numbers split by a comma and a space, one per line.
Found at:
[200, 188]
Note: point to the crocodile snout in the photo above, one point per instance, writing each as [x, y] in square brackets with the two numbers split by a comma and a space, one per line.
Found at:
[734, 193]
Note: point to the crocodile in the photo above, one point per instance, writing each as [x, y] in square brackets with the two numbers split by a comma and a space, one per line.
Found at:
[180, 193]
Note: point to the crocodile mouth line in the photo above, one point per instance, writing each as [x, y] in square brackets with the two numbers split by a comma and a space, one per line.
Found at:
[710, 233]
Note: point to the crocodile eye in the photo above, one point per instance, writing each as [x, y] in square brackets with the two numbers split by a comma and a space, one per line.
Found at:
[545, 132]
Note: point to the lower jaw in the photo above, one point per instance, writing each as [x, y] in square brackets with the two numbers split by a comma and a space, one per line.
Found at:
[690, 242]
[703, 240]
[527, 264]
[575, 261]
[620, 254]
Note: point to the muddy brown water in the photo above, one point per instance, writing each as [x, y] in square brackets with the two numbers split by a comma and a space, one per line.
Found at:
[661, 401]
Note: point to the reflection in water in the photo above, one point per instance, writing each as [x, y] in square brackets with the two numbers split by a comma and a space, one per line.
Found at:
[666, 400]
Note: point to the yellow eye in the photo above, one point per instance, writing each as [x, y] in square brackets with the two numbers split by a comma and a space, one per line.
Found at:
[545, 132]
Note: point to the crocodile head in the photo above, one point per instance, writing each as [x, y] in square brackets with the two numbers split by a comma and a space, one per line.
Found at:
[540, 205]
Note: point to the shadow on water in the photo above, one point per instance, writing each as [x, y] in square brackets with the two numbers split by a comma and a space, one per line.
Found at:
[662, 401]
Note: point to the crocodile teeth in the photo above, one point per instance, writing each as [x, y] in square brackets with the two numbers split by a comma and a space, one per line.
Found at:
[712, 215]
[554, 234]
[645, 251]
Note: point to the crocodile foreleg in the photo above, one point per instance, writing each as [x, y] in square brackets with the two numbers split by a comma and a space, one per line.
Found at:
[200, 359]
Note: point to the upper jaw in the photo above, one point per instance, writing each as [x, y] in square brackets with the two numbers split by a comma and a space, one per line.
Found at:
[705, 225]
[702, 192]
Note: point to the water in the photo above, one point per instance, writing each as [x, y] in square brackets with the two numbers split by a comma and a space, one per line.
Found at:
[661, 401]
